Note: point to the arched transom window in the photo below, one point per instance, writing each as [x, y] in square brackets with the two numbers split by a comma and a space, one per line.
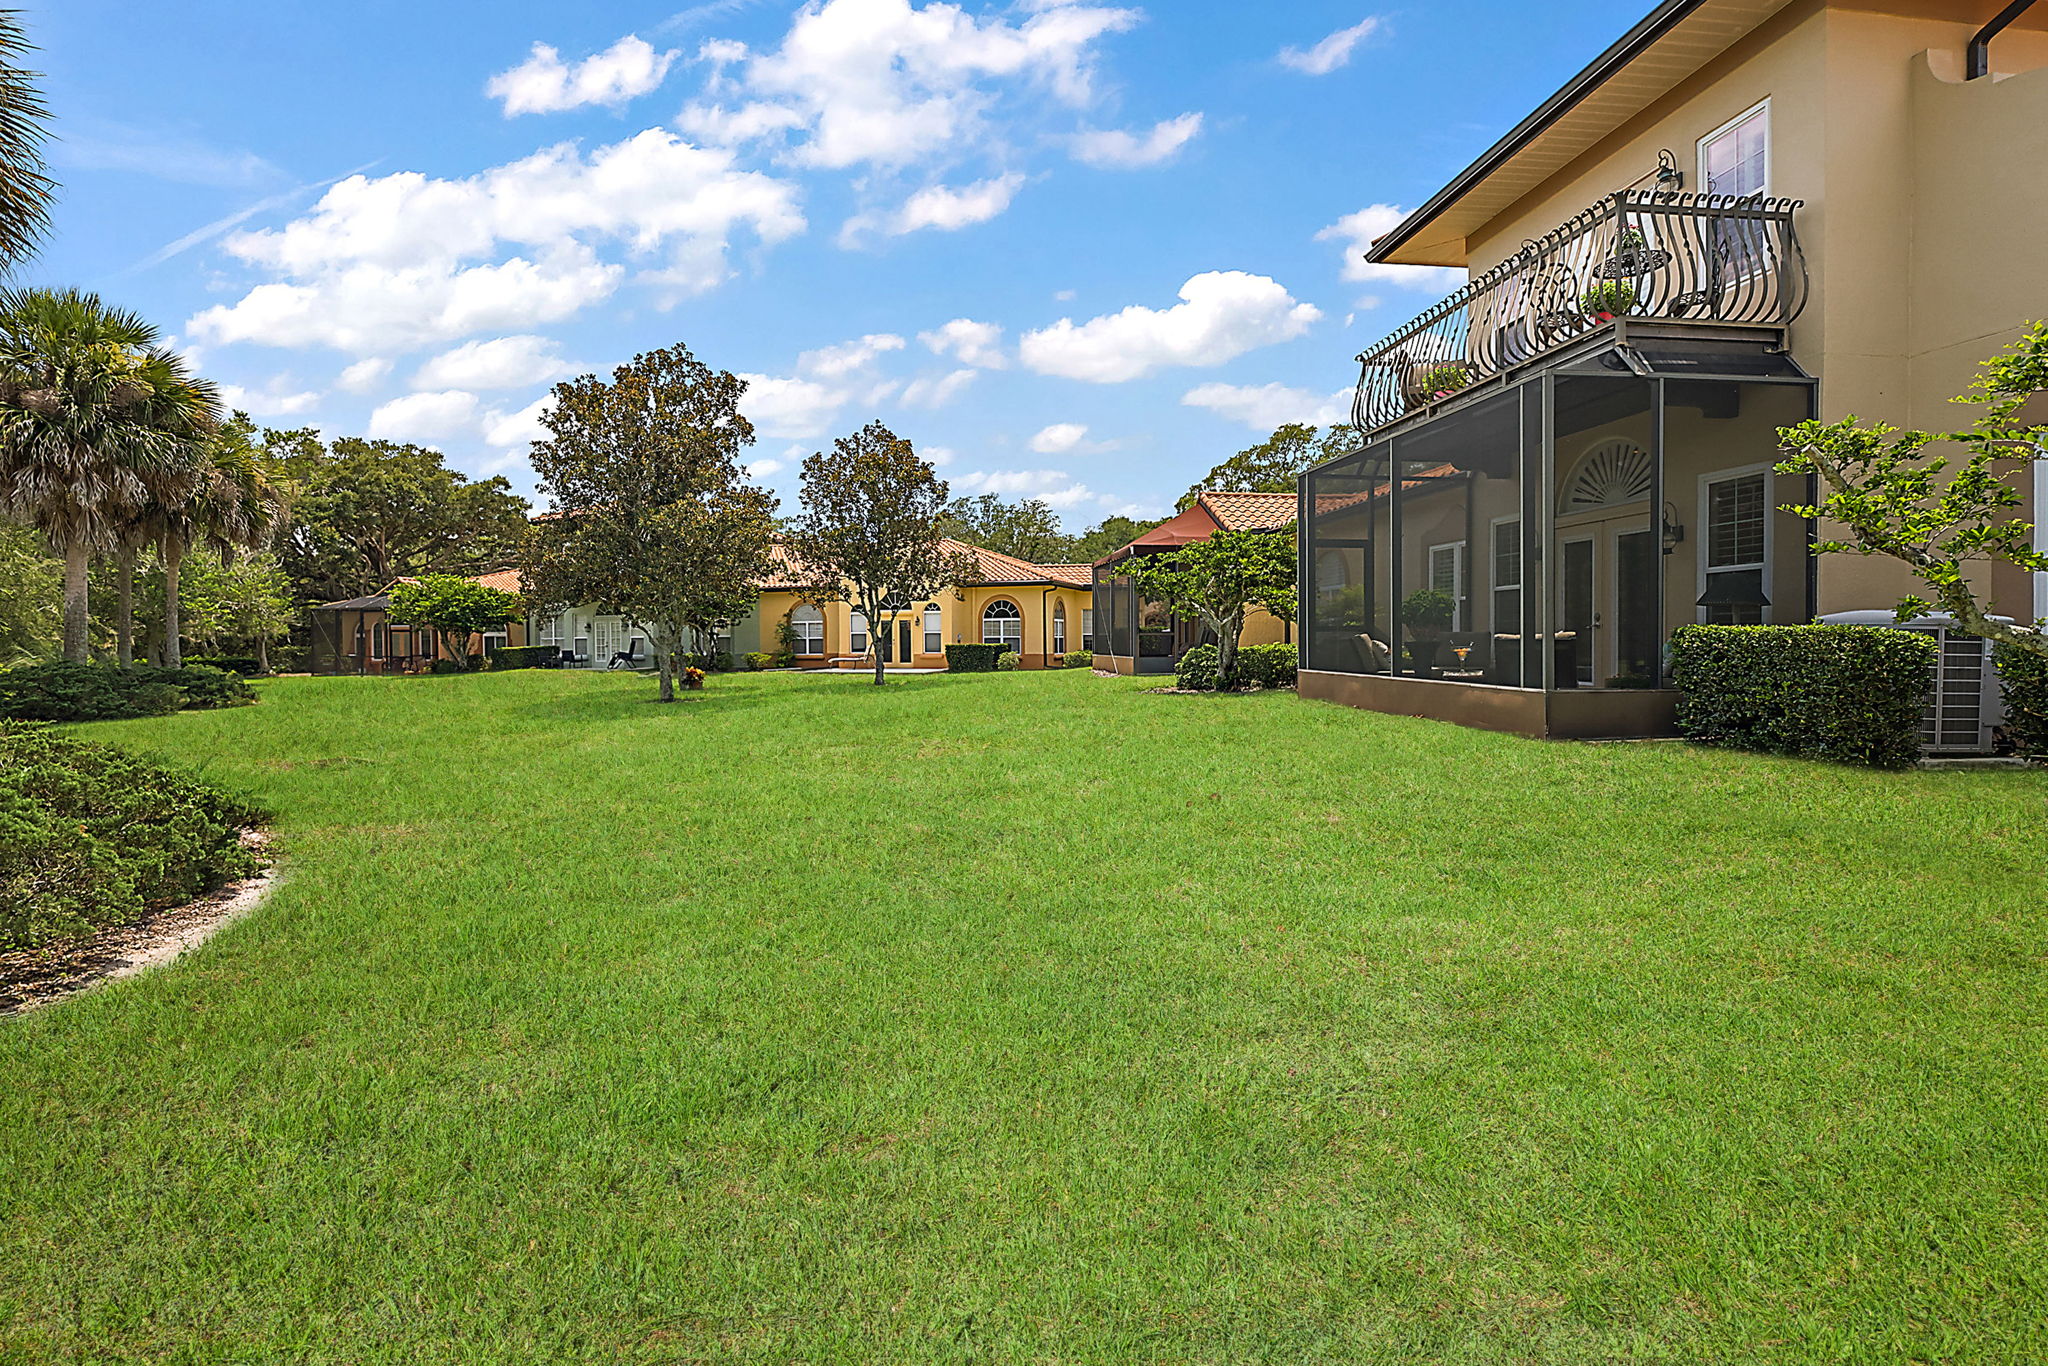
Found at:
[1002, 624]
[808, 624]
[1611, 473]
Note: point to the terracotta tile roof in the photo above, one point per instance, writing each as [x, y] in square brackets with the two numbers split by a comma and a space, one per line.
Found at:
[1074, 575]
[1250, 511]
[504, 580]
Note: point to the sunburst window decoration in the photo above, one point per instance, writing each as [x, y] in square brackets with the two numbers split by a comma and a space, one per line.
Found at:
[1614, 472]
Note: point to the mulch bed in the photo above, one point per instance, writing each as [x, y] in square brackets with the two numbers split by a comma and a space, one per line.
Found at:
[38, 976]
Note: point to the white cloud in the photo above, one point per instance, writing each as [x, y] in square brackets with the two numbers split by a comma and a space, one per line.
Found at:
[1332, 52]
[973, 343]
[1054, 488]
[1059, 438]
[545, 84]
[1222, 315]
[939, 206]
[501, 363]
[95, 144]
[790, 407]
[1263, 407]
[1113, 147]
[722, 127]
[383, 264]
[1356, 232]
[938, 455]
[762, 469]
[886, 83]
[425, 418]
[364, 375]
[276, 399]
[522, 428]
[370, 308]
[936, 391]
[848, 358]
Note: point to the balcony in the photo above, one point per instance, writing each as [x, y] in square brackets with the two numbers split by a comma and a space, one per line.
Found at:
[1676, 258]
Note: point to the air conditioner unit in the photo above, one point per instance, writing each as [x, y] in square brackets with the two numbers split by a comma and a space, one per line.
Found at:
[1964, 707]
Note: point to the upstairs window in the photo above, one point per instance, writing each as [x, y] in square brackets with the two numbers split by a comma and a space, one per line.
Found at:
[1735, 158]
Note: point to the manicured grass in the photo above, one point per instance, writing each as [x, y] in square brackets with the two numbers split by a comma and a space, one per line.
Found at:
[1028, 1017]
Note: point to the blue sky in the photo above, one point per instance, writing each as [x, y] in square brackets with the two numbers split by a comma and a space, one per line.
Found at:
[1079, 250]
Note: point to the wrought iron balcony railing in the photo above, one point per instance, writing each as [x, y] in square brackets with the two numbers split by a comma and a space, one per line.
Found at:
[1718, 258]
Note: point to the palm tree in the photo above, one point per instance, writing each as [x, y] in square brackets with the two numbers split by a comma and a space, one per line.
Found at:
[97, 421]
[25, 191]
[238, 505]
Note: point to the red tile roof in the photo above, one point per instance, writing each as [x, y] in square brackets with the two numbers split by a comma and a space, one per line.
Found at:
[1249, 511]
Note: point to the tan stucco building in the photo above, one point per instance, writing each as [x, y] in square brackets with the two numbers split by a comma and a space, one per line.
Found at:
[1743, 212]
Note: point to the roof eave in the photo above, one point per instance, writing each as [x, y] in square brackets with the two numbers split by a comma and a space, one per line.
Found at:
[1653, 26]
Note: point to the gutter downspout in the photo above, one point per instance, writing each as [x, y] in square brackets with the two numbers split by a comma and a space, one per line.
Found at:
[1977, 59]
[2040, 511]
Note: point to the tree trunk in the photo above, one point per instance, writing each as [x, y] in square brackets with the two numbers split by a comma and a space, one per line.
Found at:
[124, 608]
[262, 654]
[1227, 633]
[885, 624]
[663, 643]
[174, 560]
[76, 619]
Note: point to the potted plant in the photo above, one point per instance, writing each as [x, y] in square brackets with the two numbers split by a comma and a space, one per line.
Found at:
[1632, 239]
[1427, 613]
[693, 678]
[1608, 299]
[1441, 381]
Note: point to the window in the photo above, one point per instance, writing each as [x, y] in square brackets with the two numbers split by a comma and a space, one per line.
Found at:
[857, 634]
[551, 631]
[807, 623]
[1088, 619]
[933, 642]
[1507, 577]
[377, 639]
[1735, 159]
[1737, 509]
[1002, 624]
[1332, 577]
[1447, 575]
[1059, 628]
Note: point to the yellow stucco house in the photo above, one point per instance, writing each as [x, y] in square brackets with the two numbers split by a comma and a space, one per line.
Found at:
[1041, 611]
[1742, 213]
[1140, 637]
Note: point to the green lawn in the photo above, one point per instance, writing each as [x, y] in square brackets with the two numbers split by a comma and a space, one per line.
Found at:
[1031, 1018]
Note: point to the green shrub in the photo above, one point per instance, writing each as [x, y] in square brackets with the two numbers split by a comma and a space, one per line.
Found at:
[1078, 659]
[972, 659]
[206, 688]
[91, 835]
[1197, 669]
[62, 691]
[1269, 666]
[524, 656]
[1848, 693]
[245, 665]
[757, 660]
[2023, 679]
[1007, 661]
[446, 666]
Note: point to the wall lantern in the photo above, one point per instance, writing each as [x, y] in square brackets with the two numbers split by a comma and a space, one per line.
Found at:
[1669, 177]
[1673, 532]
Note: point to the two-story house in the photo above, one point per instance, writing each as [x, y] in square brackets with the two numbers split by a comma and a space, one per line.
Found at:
[1743, 213]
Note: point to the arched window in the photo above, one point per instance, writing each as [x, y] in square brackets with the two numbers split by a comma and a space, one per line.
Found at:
[808, 624]
[857, 634]
[1059, 628]
[934, 636]
[1002, 624]
[1611, 473]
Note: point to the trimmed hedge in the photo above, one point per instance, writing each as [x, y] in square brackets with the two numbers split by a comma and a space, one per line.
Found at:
[525, 656]
[63, 691]
[1007, 661]
[973, 659]
[1853, 694]
[91, 835]
[1269, 666]
[1197, 669]
[1078, 659]
[2023, 680]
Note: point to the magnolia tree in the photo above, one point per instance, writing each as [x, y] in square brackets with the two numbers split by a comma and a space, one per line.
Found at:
[456, 607]
[871, 529]
[653, 519]
[1216, 581]
[1938, 516]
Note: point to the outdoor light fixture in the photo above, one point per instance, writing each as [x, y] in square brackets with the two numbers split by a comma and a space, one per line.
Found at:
[1673, 532]
[1669, 177]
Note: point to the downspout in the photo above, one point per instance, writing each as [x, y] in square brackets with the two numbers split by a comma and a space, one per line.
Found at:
[1977, 61]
